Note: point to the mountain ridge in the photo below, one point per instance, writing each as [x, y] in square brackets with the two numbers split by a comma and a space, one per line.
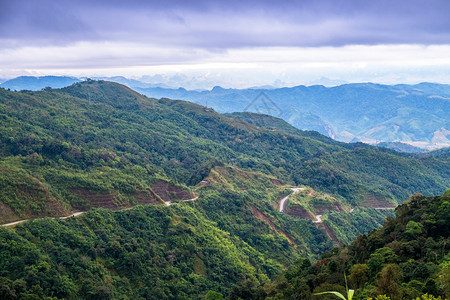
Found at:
[367, 112]
[35, 83]
[386, 117]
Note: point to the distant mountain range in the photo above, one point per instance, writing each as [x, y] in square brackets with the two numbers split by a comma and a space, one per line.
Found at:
[404, 117]
[33, 83]
[417, 115]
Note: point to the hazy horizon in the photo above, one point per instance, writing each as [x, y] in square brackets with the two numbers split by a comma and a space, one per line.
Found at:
[174, 82]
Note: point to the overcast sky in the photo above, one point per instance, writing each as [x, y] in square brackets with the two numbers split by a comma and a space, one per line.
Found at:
[229, 43]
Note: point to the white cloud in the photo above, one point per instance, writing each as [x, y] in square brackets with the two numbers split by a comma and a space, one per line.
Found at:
[239, 67]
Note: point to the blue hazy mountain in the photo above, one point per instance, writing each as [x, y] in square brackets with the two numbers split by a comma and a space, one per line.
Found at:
[414, 114]
[133, 83]
[402, 147]
[33, 83]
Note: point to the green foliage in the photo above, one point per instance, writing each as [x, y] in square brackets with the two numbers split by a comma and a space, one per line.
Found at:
[98, 144]
[428, 297]
[105, 138]
[388, 281]
[211, 295]
[347, 226]
[380, 297]
[359, 274]
[444, 277]
[413, 228]
[143, 252]
[349, 293]
[387, 263]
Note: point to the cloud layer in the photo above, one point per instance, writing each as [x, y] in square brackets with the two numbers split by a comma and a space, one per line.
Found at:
[226, 24]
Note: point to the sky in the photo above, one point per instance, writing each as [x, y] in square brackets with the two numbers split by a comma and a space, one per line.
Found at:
[200, 44]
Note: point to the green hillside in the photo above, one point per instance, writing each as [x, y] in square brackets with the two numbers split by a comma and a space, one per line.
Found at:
[406, 258]
[145, 253]
[270, 122]
[105, 138]
[98, 144]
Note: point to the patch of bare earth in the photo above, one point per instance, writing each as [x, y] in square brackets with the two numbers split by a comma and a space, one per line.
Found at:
[372, 201]
[55, 207]
[110, 200]
[7, 214]
[329, 232]
[263, 218]
[147, 196]
[276, 182]
[51, 206]
[320, 209]
[168, 192]
[37, 195]
[299, 212]
[96, 199]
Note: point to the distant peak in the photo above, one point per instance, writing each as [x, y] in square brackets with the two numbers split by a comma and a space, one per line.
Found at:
[217, 88]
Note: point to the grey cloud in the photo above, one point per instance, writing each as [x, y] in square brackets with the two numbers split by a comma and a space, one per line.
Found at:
[227, 24]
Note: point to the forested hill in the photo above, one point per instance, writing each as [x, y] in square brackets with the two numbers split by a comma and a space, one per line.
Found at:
[101, 137]
[98, 144]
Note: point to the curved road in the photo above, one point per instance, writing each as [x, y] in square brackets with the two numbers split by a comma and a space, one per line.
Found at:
[283, 203]
[61, 218]
[168, 203]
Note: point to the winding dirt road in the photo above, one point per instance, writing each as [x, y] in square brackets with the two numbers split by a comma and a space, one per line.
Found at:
[318, 219]
[283, 201]
[168, 203]
[61, 218]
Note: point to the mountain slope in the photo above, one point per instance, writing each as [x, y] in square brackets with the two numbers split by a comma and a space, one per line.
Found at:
[406, 258]
[114, 141]
[270, 122]
[151, 252]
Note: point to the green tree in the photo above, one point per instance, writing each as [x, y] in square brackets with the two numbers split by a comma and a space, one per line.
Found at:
[428, 297]
[444, 277]
[413, 228]
[212, 295]
[388, 281]
[359, 274]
